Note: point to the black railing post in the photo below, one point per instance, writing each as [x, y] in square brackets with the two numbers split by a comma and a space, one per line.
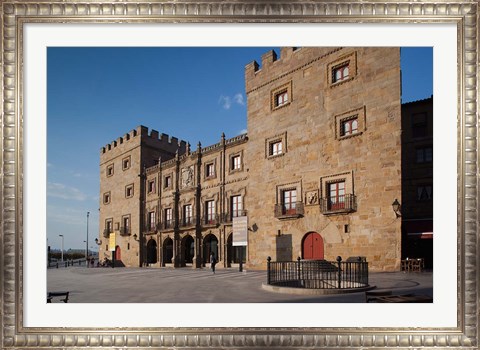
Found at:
[339, 260]
[298, 270]
[268, 270]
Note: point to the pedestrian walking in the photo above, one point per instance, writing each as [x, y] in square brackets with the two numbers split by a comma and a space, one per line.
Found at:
[213, 262]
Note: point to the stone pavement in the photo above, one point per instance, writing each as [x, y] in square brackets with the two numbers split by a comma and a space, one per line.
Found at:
[166, 285]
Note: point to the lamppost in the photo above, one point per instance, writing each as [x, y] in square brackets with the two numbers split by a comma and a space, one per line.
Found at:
[86, 255]
[62, 245]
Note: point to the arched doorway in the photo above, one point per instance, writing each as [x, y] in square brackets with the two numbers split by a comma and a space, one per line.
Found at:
[118, 253]
[188, 248]
[312, 246]
[167, 250]
[210, 244]
[151, 251]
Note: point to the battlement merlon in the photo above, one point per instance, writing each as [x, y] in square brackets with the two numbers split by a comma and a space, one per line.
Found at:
[152, 137]
[291, 58]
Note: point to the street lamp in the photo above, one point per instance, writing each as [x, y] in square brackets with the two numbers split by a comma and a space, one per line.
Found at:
[62, 245]
[86, 255]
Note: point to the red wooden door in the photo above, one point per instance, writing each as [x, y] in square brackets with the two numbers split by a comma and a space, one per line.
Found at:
[313, 246]
[118, 253]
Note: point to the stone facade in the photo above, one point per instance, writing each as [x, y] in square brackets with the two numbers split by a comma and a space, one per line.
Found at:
[316, 176]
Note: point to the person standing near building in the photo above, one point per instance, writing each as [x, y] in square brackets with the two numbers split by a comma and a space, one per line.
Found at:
[213, 261]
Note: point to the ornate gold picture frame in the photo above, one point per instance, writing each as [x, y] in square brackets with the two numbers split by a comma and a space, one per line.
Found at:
[14, 16]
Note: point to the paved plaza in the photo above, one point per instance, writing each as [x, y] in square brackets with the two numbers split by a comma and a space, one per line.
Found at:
[183, 285]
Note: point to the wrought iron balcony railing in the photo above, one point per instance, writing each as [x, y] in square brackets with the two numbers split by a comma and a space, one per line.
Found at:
[106, 232]
[167, 224]
[290, 210]
[339, 204]
[228, 217]
[210, 219]
[188, 221]
[125, 231]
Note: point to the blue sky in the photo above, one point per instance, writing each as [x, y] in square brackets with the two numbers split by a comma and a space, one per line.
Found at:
[95, 95]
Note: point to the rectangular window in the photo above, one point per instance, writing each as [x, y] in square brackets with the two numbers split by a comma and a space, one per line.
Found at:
[424, 193]
[210, 212]
[187, 214]
[168, 218]
[275, 148]
[236, 163]
[336, 195]
[236, 206]
[129, 191]
[210, 170]
[289, 201]
[168, 181]
[151, 186]
[281, 98]
[341, 72]
[126, 163]
[106, 198]
[349, 126]
[151, 221]
[419, 125]
[110, 170]
[425, 155]
[125, 225]
[109, 225]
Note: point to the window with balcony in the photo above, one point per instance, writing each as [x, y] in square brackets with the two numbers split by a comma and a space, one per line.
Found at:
[337, 194]
[151, 223]
[188, 215]
[108, 228]
[168, 218]
[236, 206]
[125, 228]
[210, 217]
[289, 204]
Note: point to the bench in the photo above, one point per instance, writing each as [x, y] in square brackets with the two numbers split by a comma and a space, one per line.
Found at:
[52, 295]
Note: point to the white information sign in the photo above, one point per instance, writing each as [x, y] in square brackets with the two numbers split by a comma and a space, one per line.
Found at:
[240, 229]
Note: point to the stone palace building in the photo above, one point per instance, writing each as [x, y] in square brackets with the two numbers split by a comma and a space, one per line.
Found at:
[315, 176]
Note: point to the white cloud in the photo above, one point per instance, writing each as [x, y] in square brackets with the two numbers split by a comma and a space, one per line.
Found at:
[225, 101]
[62, 191]
[238, 98]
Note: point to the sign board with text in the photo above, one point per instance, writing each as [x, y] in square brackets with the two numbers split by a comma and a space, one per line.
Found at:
[112, 242]
[240, 229]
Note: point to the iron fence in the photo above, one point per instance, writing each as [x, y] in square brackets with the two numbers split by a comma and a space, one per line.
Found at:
[318, 274]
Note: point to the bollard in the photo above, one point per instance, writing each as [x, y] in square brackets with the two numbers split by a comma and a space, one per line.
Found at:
[339, 260]
[268, 269]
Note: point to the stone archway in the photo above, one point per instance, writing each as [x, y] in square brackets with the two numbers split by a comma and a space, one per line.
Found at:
[167, 251]
[312, 246]
[188, 250]
[210, 244]
[151, 251]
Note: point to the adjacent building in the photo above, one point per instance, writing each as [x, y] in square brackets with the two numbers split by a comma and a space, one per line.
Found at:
[315, 177]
